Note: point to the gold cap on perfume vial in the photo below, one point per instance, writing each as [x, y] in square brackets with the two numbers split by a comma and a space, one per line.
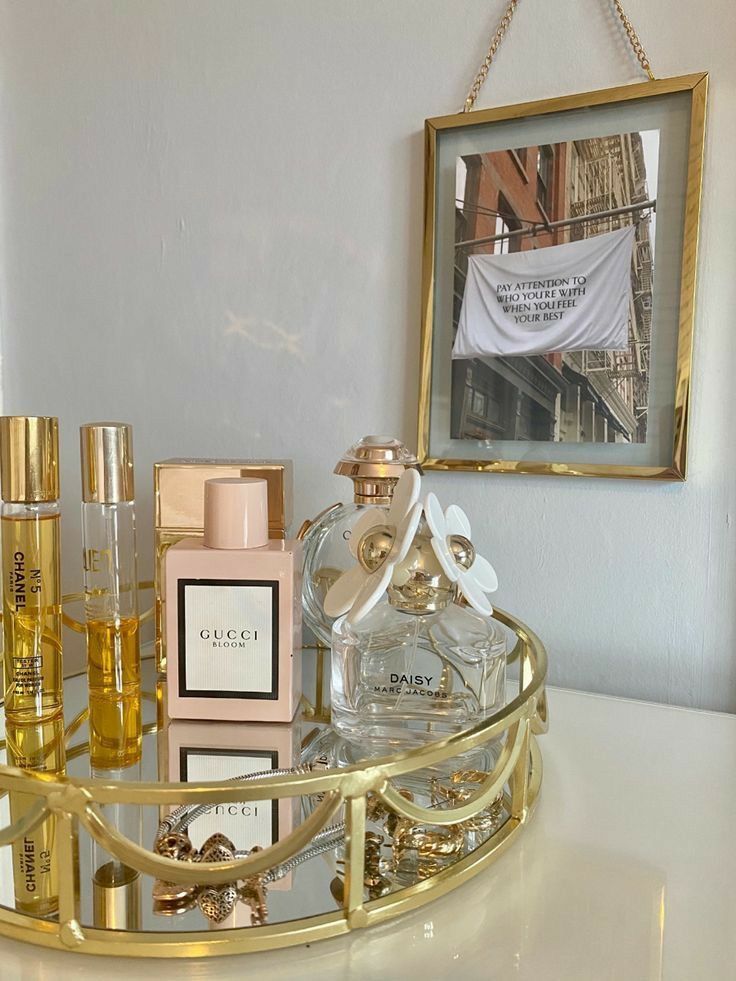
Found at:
[29, 458]
[107, 462]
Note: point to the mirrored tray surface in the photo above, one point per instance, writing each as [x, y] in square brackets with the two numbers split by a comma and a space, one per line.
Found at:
[342, 839]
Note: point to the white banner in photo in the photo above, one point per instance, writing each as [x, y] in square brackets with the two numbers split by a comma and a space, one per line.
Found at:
[572, 297]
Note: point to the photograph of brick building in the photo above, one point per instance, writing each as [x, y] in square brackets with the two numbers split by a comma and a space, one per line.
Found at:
[535, 197]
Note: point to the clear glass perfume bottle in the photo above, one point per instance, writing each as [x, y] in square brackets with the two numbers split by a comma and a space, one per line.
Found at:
[421, 666]
[29, 451]
[374, 464]
[111, 594]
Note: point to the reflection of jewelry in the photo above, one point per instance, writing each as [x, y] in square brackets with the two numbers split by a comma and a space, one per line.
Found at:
[460, 788]
[217, 903]
[376, 810]
[431, 845]
[427, 841]
[373, 879]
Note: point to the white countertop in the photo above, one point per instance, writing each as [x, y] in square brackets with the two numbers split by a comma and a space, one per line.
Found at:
[627, 872]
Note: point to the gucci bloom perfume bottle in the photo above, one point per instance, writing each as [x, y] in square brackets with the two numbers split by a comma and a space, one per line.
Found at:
[374, 464]
[233, 612]
[420, 666]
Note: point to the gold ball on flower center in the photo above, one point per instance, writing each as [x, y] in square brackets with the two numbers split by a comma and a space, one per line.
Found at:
[374, 547]
[462, 550]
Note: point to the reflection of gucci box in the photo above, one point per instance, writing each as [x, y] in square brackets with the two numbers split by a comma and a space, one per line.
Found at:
[178, 490]
[207, 752]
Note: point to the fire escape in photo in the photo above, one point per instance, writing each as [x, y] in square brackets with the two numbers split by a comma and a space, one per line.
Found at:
[606, 177]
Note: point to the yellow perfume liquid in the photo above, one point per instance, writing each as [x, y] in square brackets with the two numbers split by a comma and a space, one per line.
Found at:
[38, 748]
[31, 612]
[113, 673]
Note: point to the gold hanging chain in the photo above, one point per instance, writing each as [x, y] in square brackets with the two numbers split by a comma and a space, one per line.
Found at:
[503, 26]
[636, 45]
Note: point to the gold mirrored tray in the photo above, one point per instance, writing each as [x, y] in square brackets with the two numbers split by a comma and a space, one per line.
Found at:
[343, 841]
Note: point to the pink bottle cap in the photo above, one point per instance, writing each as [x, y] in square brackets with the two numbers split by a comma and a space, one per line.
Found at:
[235, 512]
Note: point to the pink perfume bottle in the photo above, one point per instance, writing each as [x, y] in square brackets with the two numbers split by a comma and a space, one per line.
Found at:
[233, 612]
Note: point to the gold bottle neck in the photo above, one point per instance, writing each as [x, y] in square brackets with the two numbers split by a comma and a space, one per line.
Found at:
[371, 491]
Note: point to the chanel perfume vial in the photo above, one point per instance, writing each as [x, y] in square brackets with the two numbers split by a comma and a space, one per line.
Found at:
[38, 748]
[29, 452]
[233, 612]
[374, 464]
[111, 594]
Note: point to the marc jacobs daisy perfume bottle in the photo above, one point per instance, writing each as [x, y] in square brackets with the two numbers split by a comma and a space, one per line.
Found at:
[374, 464]
[421, 666]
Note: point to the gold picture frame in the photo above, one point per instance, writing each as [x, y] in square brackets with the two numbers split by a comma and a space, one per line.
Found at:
[681, 103]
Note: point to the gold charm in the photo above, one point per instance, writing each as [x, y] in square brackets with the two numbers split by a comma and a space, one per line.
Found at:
[218, 903]
[176, 846]
[171, 899]
[253, 893]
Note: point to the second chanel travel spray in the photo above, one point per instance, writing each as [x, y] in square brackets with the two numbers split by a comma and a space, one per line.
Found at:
[111, 594]
[233, 612]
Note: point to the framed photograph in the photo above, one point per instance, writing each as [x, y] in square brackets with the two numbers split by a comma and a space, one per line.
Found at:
[559, 280]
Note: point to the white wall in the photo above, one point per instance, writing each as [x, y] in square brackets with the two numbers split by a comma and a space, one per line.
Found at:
[211, 227]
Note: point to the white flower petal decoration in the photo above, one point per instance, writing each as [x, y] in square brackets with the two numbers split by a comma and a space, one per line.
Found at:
[341, 595]
[405, 533]
[456, 522]
[484, 574]
[474, 594]
[474, 582]
[371, 590]
[405, 496]
[376, 584]
[357, 591]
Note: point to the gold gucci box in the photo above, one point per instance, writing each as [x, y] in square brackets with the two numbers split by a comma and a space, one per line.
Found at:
[178, 487]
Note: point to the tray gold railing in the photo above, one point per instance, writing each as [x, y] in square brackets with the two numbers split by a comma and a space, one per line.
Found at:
[77, 803]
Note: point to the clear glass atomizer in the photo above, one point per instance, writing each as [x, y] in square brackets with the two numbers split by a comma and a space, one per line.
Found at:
[111, 594]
